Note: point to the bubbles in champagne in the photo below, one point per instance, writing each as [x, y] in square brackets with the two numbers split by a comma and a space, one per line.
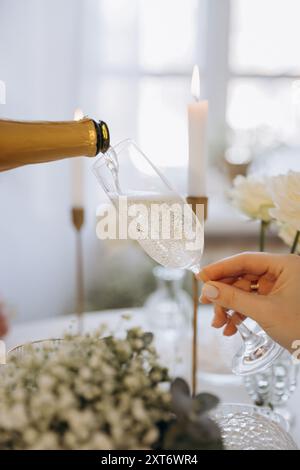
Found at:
[167, 229]
[163, 224]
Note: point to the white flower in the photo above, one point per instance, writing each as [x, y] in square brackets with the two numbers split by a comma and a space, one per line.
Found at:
[285, 190]
[7, 420]
[100, 441]
[70, 440]
[138, 410]
[47, 441]
[45, 382]
[30, 436]
[151, 436]
[85, 373]
[18, 394]
[19, 416]
[287, 234]
[65, 398]
[251, 196]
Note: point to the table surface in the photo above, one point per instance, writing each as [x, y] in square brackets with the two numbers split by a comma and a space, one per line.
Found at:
[214, 353]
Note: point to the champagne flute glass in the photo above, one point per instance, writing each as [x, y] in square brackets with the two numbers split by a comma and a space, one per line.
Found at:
[168, 230]
[157, 216]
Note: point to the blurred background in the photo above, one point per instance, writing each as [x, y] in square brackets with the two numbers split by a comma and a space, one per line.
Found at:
[129, 62]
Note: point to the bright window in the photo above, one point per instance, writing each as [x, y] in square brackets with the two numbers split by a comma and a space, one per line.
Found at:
[264, 62]
[142, 56]
[265, 36]
[144, 52]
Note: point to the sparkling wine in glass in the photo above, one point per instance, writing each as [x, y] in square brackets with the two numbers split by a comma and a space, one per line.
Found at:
[159, 218]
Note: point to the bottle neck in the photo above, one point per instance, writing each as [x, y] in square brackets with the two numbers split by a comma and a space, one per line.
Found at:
[23, 143]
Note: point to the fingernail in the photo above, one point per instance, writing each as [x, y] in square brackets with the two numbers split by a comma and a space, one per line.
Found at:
[203, 276]
[211, 292]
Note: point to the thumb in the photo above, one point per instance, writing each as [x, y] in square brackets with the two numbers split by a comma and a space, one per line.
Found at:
[230, 297]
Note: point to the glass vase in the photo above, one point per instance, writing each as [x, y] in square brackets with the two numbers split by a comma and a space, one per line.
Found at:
[169, 316]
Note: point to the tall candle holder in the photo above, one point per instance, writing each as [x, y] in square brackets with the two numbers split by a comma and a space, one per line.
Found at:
[194, 201]
[78, 221]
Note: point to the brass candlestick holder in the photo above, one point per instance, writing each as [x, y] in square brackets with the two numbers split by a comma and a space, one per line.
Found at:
[194, 201]
[78, 221]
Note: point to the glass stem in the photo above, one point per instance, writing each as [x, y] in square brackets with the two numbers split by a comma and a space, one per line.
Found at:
[247, 335]
[252, 341]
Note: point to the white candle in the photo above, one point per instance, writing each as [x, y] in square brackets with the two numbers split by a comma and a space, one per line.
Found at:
[197, 121]
[77, 173]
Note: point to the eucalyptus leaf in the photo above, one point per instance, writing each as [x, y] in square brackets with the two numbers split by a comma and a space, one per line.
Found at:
[205, 402]
[180, 386]
[191, 428]
[182, 403]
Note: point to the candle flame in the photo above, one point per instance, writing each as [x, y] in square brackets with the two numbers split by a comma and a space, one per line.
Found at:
[78, 114]
[195, 83]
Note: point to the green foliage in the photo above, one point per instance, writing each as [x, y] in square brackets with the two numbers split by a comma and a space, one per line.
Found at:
[191, 428]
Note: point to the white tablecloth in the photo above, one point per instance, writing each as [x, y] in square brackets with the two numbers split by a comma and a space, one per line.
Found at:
[215, 351]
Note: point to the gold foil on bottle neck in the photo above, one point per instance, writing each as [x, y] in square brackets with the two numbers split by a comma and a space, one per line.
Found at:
[23, 143]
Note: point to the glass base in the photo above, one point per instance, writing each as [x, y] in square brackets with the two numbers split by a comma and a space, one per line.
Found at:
[256, 356]
[286, 414]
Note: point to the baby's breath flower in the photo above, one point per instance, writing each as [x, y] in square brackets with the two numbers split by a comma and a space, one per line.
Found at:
[151, 436]
[46, 382]
[30, 436]
[101, 441]
[84, 392]
[46, 441]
